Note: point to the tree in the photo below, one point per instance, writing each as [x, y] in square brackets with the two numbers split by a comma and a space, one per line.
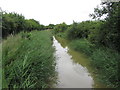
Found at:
[13, 23]
[110, 29]
[60, 27]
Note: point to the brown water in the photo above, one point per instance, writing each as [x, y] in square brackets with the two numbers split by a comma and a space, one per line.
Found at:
[73, 67]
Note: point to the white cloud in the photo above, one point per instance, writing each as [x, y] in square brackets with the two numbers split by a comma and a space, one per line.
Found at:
[52, 11]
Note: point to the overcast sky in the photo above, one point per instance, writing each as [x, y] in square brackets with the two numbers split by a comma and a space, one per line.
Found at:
[52, 11]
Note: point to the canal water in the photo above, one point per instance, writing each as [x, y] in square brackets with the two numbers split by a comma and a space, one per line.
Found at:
[73, 68]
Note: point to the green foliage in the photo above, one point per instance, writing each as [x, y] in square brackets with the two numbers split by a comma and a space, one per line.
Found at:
[86, 29]
[50, 26]
[104, 60]
[95, 27]
[106, 63]
[13, 23]
[110, 33]
[32, 24]
[74, 32]
[61, 34]
[28, 63]
[82, 45]
[60, 28]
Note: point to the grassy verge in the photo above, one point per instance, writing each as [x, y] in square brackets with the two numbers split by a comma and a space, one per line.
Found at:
[104, 60]
[28, 60]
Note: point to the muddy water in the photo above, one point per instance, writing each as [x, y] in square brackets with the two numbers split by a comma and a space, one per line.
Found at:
[72, 67]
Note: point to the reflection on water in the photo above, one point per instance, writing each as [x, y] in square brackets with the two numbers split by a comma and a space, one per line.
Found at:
[70, 73]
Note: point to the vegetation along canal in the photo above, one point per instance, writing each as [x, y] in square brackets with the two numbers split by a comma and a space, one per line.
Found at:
[72, 67]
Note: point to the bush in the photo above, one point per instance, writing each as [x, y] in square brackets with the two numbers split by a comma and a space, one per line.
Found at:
[86, 29]
[74, 32]
[60, 28]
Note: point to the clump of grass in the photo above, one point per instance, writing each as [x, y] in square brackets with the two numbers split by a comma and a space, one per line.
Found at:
[82, 45]
[29, 63]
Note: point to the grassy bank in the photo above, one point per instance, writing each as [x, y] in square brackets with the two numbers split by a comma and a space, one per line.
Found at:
[103, 60]
[28, 60]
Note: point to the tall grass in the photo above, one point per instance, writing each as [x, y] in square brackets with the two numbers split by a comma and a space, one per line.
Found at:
[103, 60]
[82, 45]
[28, 60]
[106, 63]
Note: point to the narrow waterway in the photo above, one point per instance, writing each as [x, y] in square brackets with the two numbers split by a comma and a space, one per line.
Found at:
[72, 67]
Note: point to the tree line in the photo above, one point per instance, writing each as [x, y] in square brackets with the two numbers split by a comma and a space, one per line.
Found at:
[100, 32]
[13, 23]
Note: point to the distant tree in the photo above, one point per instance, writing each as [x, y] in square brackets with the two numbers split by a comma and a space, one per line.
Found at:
[60, 27]
[32, 24]
[51, 26]
[13, 23]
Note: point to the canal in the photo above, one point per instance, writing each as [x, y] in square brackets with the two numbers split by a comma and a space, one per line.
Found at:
[72, 67]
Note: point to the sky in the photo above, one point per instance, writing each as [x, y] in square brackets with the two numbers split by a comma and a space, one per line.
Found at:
[52, 11]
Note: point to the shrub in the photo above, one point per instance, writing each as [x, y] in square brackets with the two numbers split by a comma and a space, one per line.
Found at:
[74, 32]
[60, 28]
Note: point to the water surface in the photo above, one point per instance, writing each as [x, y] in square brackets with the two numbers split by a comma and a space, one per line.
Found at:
[72, 67]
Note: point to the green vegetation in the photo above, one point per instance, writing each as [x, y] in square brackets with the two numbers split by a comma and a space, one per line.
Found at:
[13, 23]
[27, 56]
[28, 60]
[98, 39]
[60, 28]
[106, 61]
[82, 45]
